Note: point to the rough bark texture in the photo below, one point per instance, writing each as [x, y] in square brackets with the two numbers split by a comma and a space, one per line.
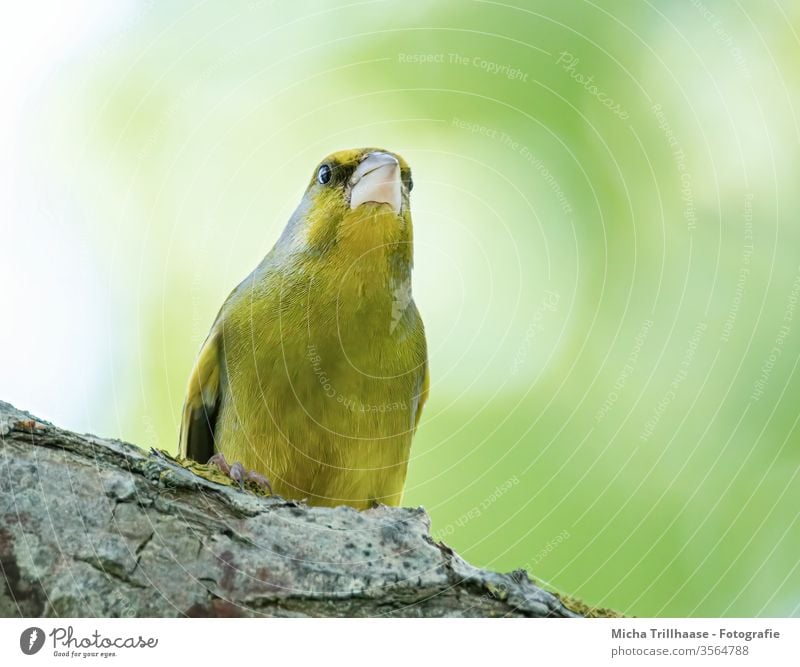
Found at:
[95, 527]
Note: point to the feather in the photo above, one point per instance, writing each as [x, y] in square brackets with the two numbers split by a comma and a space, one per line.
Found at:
[202, 405]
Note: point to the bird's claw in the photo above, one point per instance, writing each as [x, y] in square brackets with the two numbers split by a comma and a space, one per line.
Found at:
[219, 461]
[259, 480]
[238, 473]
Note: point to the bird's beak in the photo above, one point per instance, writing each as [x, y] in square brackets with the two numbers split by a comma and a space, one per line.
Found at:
[376, 179]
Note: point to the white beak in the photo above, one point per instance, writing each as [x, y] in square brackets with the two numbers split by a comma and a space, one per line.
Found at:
[376, 179]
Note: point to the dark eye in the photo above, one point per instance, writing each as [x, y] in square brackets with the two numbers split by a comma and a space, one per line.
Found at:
[410, 184]
[324, 174]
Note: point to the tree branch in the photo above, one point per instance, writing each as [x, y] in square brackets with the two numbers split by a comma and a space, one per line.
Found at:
[96, 527]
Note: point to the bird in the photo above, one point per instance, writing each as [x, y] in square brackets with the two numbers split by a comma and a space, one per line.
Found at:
[314, 374]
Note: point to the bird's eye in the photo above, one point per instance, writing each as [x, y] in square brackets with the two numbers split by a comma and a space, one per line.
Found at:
[324, 174]
[410, 184]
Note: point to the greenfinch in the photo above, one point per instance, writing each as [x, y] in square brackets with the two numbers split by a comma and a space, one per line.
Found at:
[315, 372]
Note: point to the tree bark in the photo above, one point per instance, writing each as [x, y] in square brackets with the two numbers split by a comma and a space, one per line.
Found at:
[97, 527]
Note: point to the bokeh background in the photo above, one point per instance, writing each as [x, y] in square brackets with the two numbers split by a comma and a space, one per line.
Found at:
[607, 254]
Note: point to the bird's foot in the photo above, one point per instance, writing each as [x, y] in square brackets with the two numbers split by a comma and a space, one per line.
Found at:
[238, 473]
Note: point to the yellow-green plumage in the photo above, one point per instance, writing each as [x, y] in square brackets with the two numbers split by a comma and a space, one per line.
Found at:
[314, 373]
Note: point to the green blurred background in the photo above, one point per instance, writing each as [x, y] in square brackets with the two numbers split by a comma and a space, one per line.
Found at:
[607, 255]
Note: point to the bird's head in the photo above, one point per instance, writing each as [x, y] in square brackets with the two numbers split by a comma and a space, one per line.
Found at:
[346, 180]
[356, 204]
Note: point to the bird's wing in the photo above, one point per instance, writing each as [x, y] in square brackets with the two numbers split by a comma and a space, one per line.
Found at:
[203, 400]
[423, 393]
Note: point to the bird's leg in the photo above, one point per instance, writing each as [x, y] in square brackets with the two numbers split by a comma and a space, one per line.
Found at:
[238, 473]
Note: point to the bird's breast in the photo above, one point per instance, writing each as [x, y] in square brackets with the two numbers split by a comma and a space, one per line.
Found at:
[350, 370]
